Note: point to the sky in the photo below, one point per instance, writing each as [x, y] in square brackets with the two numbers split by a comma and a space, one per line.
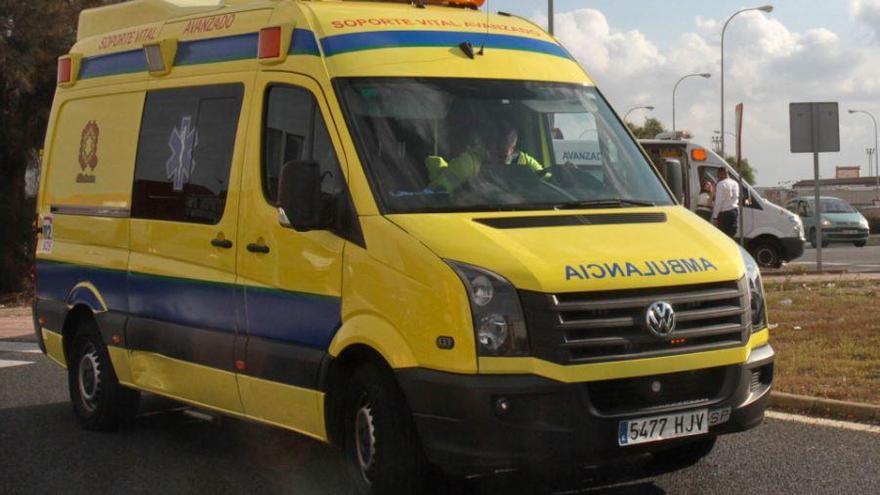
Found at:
[805, 50]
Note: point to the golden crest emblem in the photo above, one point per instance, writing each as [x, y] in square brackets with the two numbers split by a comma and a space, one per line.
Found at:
[88, 152]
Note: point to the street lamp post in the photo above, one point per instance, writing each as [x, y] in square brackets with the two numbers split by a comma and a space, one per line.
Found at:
[876, 155]
[549, 17]
[626, 115]
[704, 75]
[764, 8]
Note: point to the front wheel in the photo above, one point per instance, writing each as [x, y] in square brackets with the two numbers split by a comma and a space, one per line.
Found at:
[99, 401]
[382, 450]
[861, 243]
[813, 239]
[767, 253]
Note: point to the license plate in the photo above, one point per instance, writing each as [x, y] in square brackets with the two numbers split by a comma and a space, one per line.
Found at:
[657, 428]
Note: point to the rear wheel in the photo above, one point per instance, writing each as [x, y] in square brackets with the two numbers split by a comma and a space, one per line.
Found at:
[767, 253]
[382, 451]
[99, 401]
[861, 243]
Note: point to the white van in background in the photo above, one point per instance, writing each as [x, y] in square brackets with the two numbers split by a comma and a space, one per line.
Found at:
[772, 233]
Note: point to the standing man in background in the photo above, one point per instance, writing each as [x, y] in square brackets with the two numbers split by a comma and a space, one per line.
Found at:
[726, 209]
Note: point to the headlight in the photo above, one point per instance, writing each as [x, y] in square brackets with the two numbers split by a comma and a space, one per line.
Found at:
[826, 222]
[757, 306]
[499, 324]
[863, 223]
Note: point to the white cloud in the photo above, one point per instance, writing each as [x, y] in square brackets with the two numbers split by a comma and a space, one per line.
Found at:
[867, 12]
[767, 65]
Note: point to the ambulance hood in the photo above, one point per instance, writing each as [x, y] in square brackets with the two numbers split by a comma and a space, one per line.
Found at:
[575, 251]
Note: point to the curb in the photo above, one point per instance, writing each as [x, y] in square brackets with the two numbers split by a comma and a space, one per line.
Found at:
[825, 407]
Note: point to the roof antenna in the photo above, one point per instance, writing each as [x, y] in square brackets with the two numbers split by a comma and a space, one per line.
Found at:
[483, 45]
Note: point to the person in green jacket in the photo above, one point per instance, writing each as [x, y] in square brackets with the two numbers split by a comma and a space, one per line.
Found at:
[497, 147]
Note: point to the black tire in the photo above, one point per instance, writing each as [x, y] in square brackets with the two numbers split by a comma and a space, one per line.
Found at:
[382, 451]
[813, 239]
[682, 456]
[861, 243]
[767, 253]
[99, 401]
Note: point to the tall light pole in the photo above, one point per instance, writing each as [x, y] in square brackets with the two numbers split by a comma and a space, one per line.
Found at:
[626, 115]
[763, 8]
[876, 162]
[550, 16]
[704, 75]
[870, 152]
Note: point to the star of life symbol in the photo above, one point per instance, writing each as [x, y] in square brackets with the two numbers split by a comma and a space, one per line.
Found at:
[183, 141]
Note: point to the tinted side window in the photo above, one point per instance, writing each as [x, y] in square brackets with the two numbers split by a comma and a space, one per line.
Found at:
[295, 130]
[185, 153]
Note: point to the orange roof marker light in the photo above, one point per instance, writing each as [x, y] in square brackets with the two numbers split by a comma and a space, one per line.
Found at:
[699, 155]
[68, 69]
[274, 43]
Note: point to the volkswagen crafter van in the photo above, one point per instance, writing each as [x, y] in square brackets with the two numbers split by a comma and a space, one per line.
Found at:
[361, 222]
[772, 234]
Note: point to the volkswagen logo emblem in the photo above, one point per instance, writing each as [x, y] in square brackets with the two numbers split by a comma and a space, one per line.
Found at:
[660, 319]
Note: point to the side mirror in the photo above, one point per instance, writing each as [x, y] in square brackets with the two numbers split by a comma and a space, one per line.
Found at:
[674, 174]
[299, 196]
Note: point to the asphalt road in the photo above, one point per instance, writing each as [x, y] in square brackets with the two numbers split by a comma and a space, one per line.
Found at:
[42, 450]
[842, 257]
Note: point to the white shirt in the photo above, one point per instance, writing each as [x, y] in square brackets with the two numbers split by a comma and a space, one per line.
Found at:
[726, 196]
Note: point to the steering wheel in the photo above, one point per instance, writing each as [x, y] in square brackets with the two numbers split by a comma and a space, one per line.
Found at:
[570, 176]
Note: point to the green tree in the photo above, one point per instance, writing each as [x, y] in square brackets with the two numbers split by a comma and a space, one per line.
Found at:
[648, 130]
[745, 169]
[33, 34]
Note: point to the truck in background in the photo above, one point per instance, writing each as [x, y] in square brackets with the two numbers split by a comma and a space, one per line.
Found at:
[772, 234]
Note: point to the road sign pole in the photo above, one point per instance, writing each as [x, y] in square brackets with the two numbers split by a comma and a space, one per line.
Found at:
[817, 205]
[739, 173]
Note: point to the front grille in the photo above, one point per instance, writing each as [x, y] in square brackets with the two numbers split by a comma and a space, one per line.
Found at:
[574, 328]
[689, 388]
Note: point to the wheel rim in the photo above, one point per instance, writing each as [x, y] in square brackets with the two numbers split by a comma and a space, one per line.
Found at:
[365, 440]
[89, 376]
[766, 256]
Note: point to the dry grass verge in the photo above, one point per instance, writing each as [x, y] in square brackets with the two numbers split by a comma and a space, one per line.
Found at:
[828, 338]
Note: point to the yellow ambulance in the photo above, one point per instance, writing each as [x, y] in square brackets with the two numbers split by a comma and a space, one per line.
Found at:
[410, 229]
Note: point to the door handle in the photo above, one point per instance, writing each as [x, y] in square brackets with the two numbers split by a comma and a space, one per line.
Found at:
[221, 243]
[257, 248]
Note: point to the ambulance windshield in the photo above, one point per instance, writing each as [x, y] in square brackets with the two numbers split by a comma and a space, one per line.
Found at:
[437, 145]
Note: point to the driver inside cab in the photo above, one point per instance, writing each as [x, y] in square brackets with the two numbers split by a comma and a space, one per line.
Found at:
[496, 147]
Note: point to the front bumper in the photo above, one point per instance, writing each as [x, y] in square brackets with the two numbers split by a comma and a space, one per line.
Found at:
[554, 425]
[792, 248]
[845, 234]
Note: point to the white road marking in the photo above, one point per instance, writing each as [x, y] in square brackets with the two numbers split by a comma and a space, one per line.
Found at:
[833, 423]
[19, 347]
[7, 363]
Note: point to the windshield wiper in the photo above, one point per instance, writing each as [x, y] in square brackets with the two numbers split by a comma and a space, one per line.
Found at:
[602, 203]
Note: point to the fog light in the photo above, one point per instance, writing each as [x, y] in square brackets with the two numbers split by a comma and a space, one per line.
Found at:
[502, 406]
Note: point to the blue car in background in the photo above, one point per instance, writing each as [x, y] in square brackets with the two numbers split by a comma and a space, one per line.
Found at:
[840, 221]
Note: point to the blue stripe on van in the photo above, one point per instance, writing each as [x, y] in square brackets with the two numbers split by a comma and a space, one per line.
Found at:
[299, 318]
[345, 43]
[224, 49]
[204, 51]
[113, 64]
[304, 43]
